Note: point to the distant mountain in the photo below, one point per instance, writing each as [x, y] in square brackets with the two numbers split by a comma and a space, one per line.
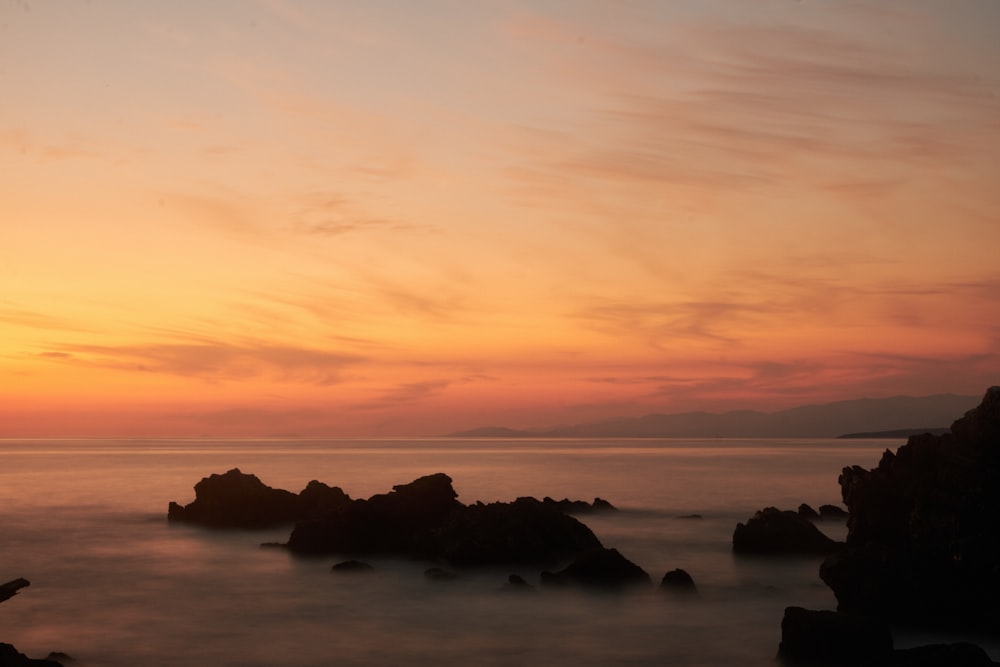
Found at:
[493, 432]
[895, 433]
[828, 420]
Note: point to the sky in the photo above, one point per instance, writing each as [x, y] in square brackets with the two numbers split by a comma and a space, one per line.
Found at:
[381, 218]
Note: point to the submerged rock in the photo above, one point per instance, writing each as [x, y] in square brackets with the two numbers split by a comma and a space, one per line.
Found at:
[923, 539]
[352, 566]
[774, 531]
[603, 568]
[517, 584]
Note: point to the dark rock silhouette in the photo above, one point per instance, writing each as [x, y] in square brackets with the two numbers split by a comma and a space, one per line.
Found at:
[237, 500]
[678, 580]
[832, 513]
[517, 584]
[602, 568]
[580, 506]
[960, 654]
[526, 531]
[811, 637]
[400, 522]
[774, 531]
[318, 500]
[923, 540]
[10, 589]
[423, 519]
[352, 566]
[808, 513]
[11, 657]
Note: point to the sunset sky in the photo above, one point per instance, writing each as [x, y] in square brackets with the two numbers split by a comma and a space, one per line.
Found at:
[392, 217]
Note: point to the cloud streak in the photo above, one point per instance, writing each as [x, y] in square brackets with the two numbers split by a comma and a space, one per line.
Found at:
[216, 361]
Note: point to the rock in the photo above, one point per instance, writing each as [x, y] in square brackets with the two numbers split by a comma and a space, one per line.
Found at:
[808, 513]
[923, 539]
[401, 522]
[942, 655]
[318, 500]
[832, 513]
[11, 657]
[603, 568]
[580, 506]
[773, 531]
[517, 584]
[352, 566]
[237, 500]
[811, 637]
[10, 589]
[525, 532]
[678, 580]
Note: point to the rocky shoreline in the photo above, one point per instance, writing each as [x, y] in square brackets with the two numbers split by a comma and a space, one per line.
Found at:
[922, 547]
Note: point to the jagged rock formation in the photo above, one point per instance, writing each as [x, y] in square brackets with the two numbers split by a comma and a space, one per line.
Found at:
[923, 538]
[238, 500]
[773, 531]
[423, 519]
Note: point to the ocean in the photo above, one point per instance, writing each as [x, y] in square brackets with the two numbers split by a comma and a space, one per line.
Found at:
[113, 584]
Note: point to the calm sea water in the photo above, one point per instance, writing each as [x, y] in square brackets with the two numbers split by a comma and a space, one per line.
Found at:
[114, 584]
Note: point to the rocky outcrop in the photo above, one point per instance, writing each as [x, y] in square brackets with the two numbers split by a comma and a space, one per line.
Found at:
[239, 500]
[580, 506]
[599, 568]
[401, 522]
[772, 531]
[526, 531]
[10, 589]
[424, 519]
[832, 513]
[836, 639]
[11, 657]
[811, 637]
[923, 538]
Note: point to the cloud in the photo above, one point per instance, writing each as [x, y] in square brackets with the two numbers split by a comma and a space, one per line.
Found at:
[215, 361]
[736, 105]
[334, 214]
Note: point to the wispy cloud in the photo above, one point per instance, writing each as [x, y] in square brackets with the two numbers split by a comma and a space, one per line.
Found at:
[216, 361]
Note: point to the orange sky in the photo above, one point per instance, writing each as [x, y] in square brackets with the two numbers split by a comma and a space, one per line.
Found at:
[379, 218]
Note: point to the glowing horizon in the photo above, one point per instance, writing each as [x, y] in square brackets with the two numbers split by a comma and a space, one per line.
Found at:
[326, 218]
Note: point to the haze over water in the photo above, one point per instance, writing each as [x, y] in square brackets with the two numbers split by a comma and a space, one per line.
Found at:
[114, 585]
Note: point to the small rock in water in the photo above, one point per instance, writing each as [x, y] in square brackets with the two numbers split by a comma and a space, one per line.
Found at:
[678, 580]
[516, 583]
[349, 566]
